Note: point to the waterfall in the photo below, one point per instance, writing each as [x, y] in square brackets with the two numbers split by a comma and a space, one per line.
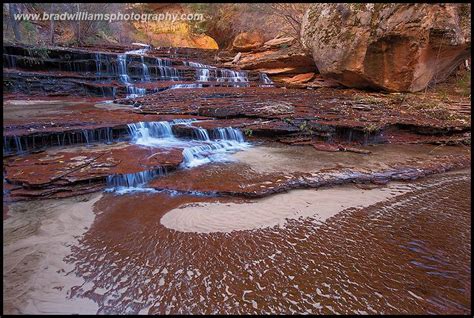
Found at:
[97, 64]
[134, 180]
[228, 140]
[132, 91]
[232, 76]
[202, 74]
[196, 65]
[182, 121]
[197, 151]
[267, 82]
[205, 73]
[163, 62]
[229, 133]
[144, 131]
[176, 86]
[201, 134]
[122, 68]
[214, 151]
[146, 74]
[168, 73]
[21, 144]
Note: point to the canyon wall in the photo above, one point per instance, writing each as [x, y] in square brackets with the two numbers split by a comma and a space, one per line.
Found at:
[393, 47]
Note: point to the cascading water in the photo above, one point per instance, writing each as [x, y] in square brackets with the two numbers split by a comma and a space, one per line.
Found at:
[206, 73]
[167, 72]
[197, 65]
[201, 134]
[134, 180]
[202, 74]
[146, 74]
[225, 75]
[122, 69]
[229, 133]
[22, 144]
[97, 64]
[142, 132]
[267, 82]
[200, 150]
[163, 62]
[177, 86]
[132, 91]
[226, 140]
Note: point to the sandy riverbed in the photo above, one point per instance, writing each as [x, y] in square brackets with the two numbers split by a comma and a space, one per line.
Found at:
[37, 237]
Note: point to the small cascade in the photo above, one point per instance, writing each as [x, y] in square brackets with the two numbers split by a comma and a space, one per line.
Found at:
[122, 69]
[267, 82]
[227, 140]
[176, 86]
[132, 91]
[225, 75]
[13, 145]
[163, 62]
[201, 134]
[142, 51]
[200, 150]
[182, 121]
[134, 180]
[97, 64]
[206, 73]
[9, 60]
[228, 133]
[22, 144]
[144, 131]
[168, 73]
[197, 65]
[202, 74]
[146, 74]
[215, 151]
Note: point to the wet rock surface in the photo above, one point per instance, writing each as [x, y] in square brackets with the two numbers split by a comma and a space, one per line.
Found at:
[306, 266]
[249, 179]
[68, 173]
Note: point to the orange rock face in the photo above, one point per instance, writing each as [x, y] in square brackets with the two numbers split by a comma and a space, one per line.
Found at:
[394, 47]
[300, 78]
[247, 41]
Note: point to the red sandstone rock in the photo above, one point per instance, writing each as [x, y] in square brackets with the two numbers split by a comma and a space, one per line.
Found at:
[247, 41]
[83, 170]
[300, 78]
[395, 47]
[279, 42]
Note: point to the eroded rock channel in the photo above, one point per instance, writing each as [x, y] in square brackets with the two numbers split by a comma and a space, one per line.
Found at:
[204, 189]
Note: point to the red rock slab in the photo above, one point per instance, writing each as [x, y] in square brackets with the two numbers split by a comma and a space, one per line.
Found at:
[334, 107]
[223, 179]
[82, 114]
[300, 78]
[68, 167]
[240, 180]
